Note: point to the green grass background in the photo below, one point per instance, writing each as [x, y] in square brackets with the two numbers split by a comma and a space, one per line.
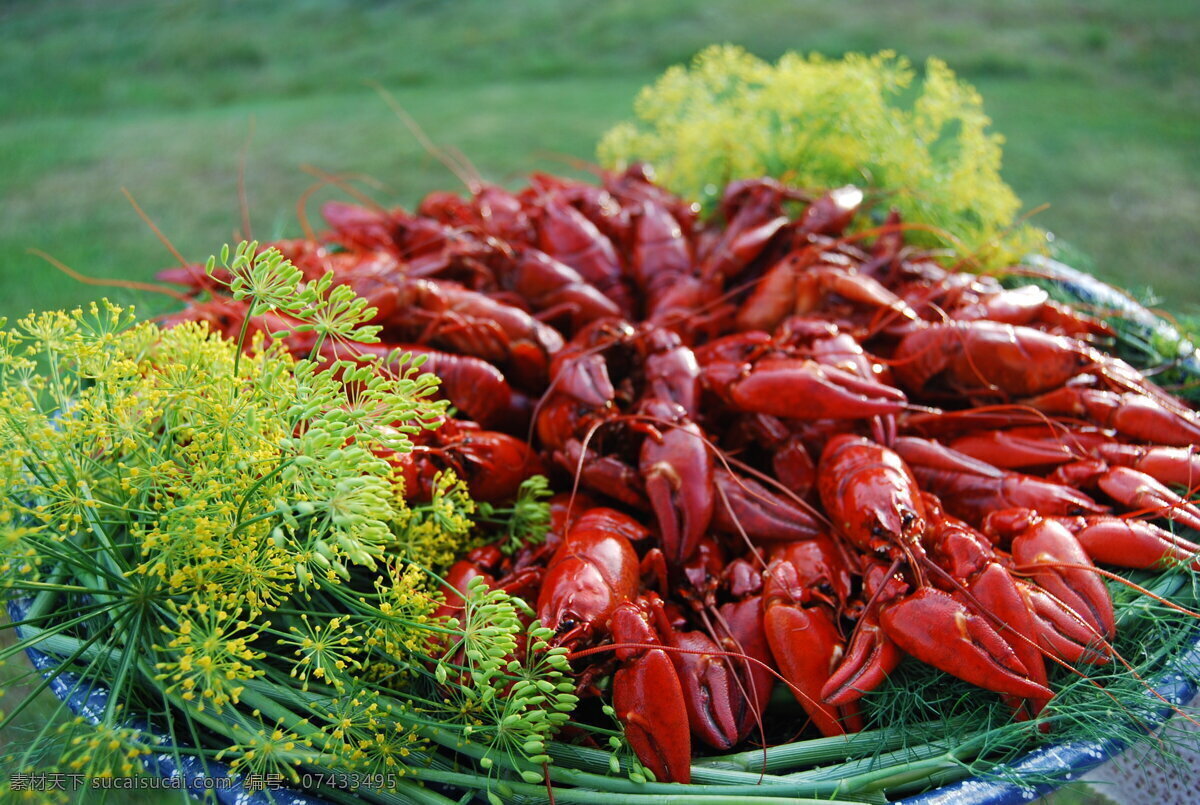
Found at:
[1099, 102]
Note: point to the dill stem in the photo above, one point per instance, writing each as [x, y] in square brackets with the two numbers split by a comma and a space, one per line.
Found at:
[937, 779]
[718, 781]
[46, 586]
[597, 761]
[108, 550]
[49, 677]
[280, 688]
[750, 785]
[884, 779]
[216, 725]
[57, 645]
[271, 515]
[818, 750]
[237, 359]
[411, 792]
[316, 348]
[271, 707]
[903, 756]
[241, 339]
[640, 793]
[48, 723]
[352, 601]
[246, 499]
[32, 637]
[128, 664]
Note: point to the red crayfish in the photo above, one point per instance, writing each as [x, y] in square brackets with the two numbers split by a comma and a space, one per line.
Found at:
[810, 452]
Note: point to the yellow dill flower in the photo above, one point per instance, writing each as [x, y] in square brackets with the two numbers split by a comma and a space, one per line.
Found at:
[819, 123]
[367, 734]
[103, 750]
[18, 787]
[402, 602]
[269, 750]
[199, 493]
[434, 534]
[54, 332]
[324, 651]
[208, 659]
[384, 675]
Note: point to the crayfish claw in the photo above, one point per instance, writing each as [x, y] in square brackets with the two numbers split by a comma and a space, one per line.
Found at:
[870, 657]
[943, 632]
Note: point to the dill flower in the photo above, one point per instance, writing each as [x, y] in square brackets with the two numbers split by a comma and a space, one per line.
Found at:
[401, 599]
[440, 531]
[817, 124]
[210, 530]
[324, 651]
[209, 656]
[273, 750]
[516, 705]
[103, 750]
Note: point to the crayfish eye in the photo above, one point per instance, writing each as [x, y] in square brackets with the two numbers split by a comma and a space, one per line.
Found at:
[566, 625]
[907, 518]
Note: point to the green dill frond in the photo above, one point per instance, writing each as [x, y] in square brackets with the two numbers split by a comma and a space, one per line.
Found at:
[526, 521]
[511, 706]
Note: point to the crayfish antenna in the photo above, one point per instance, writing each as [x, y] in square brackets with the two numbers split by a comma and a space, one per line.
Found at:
[1164, 510]
[306, 196]
[1128, 666]
[570, 160]
[751, 547]
[243, 199]
[464, 171]
[549, 783]
[729, 462]
[970, 261]
[133, 285]
[302, 210]
[634, 646]
[746, 687]
[1108, 574]
[559, 378]
[154, 228]
[467, 167]
[342, 182]
[583, 451]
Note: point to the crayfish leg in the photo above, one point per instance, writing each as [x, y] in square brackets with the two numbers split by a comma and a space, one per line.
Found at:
[870, 657]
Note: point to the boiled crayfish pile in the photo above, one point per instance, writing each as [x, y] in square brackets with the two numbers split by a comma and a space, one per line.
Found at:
[783, 452]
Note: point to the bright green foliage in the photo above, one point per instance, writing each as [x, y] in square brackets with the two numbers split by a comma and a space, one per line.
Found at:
[514, 706]
[527, 520]
[215, 534]
[817, 124]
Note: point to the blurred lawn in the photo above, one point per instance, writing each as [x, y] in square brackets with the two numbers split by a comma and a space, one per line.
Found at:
[1100, 103]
